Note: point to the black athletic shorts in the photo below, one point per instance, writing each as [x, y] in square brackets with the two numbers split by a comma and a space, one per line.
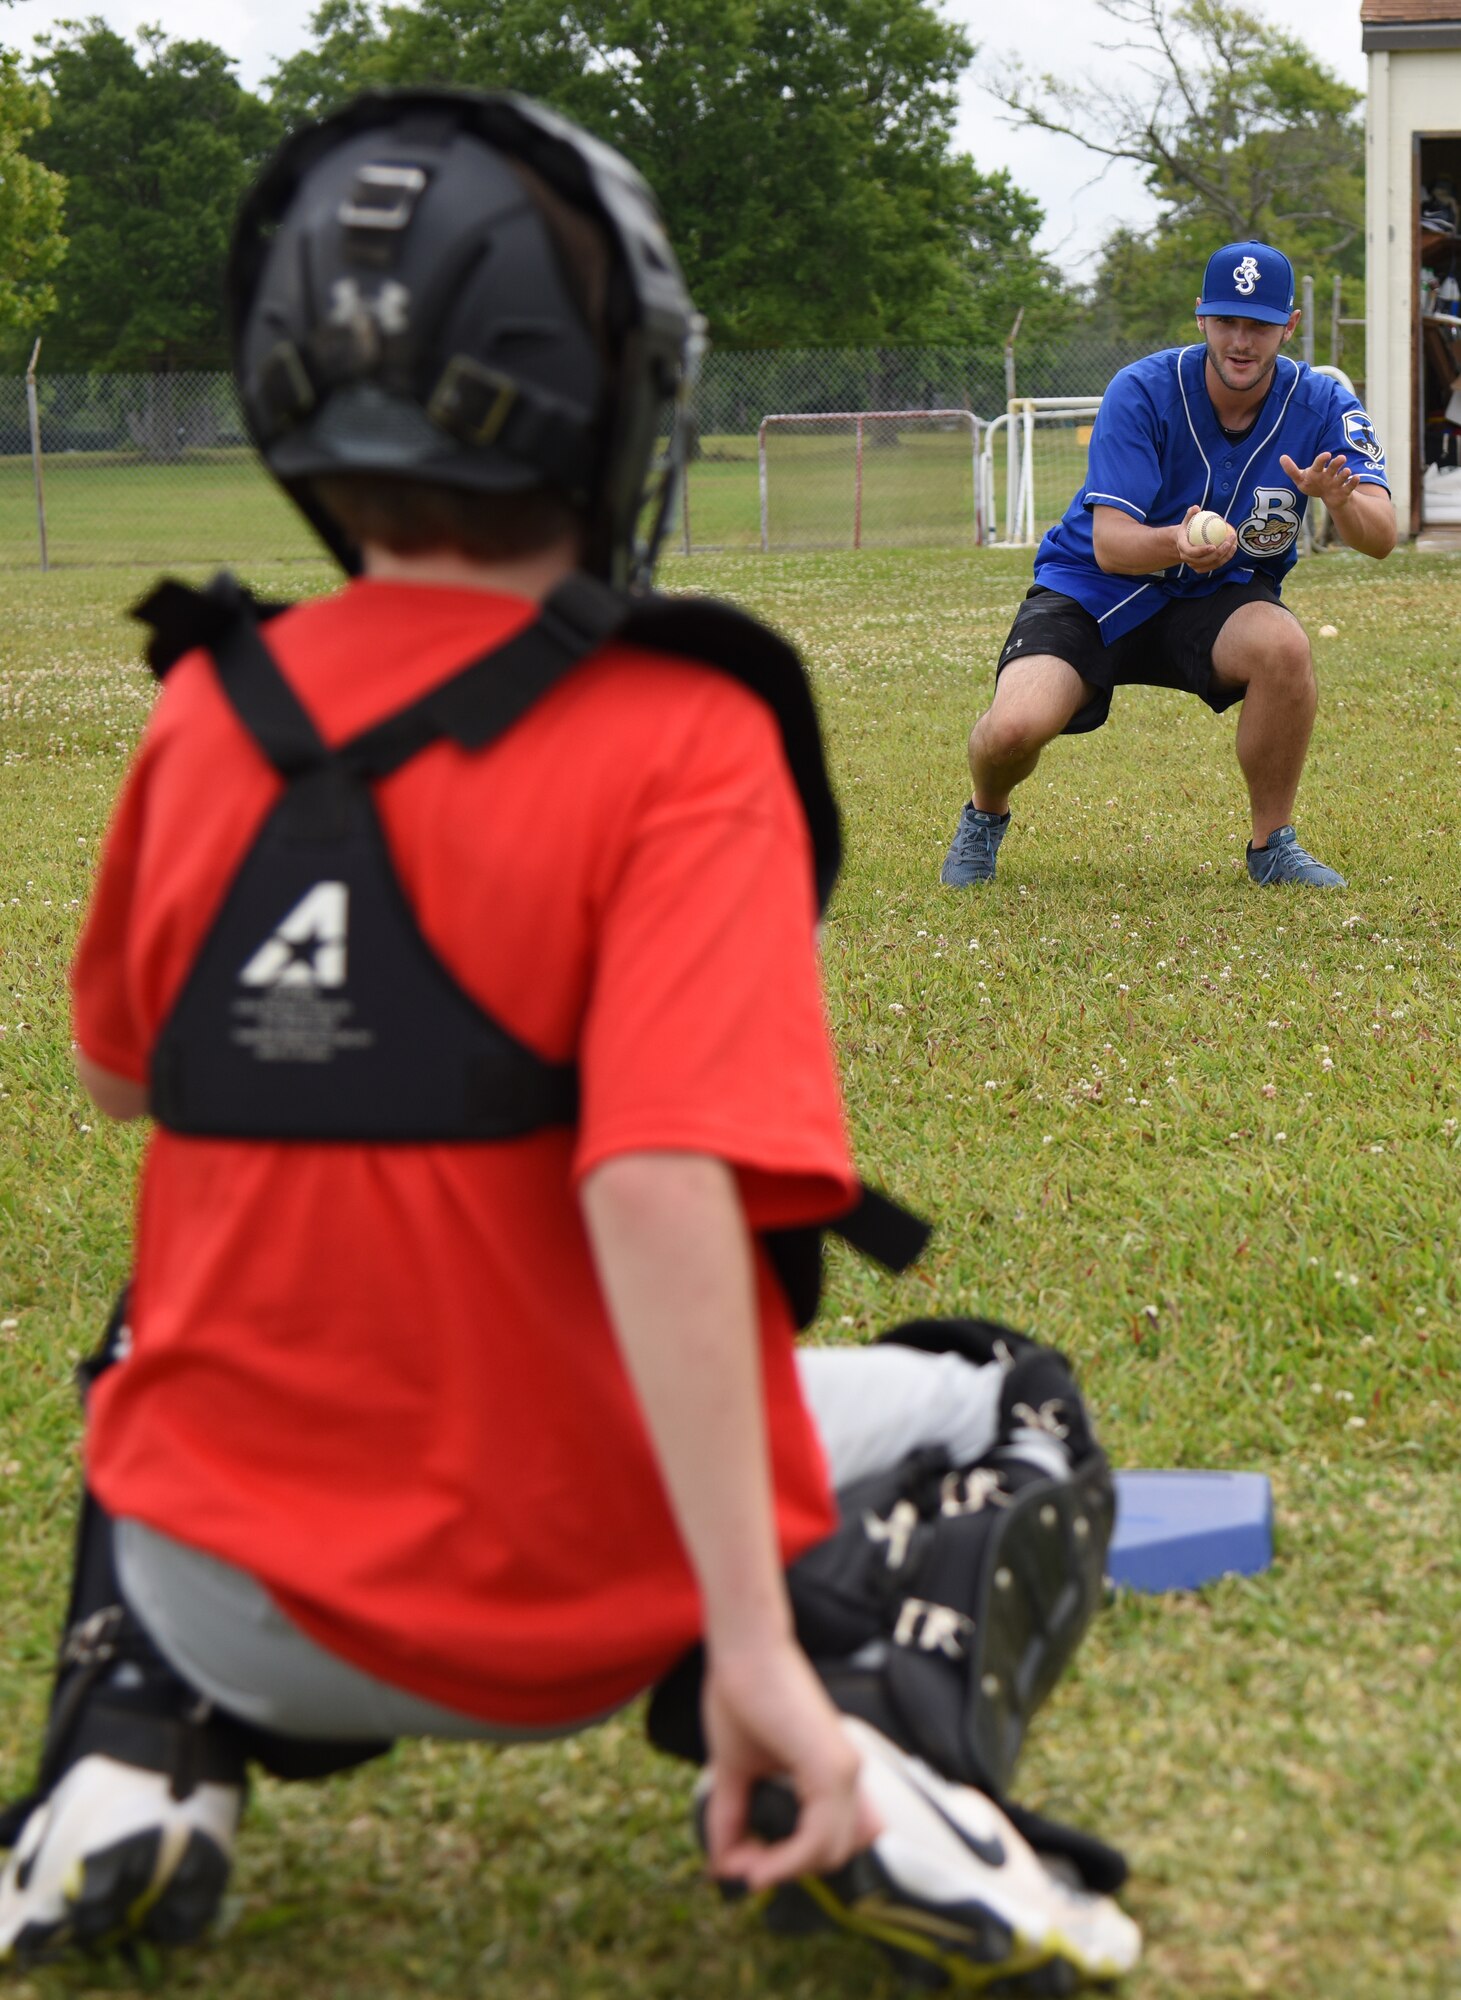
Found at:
[1171, 649]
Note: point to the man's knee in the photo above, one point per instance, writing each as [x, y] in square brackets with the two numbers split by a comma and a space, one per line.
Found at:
[1266, 645]
[1032, 704]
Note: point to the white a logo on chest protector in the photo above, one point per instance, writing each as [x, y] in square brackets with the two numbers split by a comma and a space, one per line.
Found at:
[1273, 523]
[1245, 276]
[307, 948]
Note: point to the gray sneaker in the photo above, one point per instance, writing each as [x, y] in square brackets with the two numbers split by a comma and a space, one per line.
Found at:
[1281, 859]
[974, 848]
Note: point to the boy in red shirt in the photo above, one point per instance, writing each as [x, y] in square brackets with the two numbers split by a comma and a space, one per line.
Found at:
[478, 1009]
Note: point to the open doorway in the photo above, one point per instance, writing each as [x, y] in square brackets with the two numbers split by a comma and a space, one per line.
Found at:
[1438, 326]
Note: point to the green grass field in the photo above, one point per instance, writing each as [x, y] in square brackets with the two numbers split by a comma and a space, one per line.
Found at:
[217, 506]
[1204, 1137]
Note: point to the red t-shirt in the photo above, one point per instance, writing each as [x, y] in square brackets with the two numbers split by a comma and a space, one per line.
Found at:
[381, 1378]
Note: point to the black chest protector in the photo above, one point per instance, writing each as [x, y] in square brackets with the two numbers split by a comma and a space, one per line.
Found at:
[315, 1009]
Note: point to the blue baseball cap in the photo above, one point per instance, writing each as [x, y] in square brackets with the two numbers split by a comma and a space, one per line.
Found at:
[1248, 281]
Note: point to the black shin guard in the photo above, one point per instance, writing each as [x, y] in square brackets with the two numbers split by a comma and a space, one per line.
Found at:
[947, 1604]
[116, 1695]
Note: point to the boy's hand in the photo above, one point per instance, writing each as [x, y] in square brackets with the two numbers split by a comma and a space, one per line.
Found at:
[767, 1715]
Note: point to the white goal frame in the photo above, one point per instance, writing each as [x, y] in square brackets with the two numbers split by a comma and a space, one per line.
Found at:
[1018, 424]
[861, 418]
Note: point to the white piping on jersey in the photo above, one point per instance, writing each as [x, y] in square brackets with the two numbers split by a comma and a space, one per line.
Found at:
[1130, 599]
[1276, 422]
[1117, 500]
[1187, 412]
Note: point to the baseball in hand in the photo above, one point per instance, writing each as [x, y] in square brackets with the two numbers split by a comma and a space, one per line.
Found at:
[1207, 528]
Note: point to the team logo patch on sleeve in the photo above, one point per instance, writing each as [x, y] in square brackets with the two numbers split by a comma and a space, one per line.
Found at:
[1273, 524]
[1360, 433]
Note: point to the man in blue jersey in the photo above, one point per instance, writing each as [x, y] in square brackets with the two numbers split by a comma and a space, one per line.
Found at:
[1122, 594]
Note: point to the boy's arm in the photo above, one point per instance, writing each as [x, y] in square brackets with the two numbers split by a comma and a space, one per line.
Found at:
[674, 1258]
[118, 1096]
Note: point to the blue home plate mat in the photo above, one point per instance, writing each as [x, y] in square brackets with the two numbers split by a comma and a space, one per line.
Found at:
[1176, 1530]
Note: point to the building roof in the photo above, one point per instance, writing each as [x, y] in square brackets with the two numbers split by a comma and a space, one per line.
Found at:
[1410, 11]
[1410, 24]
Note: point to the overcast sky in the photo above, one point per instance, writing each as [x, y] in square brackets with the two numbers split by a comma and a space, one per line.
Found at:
[1080, 206]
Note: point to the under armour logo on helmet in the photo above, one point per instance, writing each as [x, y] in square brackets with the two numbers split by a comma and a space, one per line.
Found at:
[389, 307]
[1245, 276]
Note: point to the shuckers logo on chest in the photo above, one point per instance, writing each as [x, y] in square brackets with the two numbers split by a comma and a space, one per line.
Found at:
[1272, 524]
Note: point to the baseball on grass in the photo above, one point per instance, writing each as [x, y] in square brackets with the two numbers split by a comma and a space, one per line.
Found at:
[1207, 528]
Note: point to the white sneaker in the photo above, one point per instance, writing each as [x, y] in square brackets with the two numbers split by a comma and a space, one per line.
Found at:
[112, 1852]
[953, 1892]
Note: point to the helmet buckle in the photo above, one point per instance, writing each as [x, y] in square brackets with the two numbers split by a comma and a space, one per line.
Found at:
[471, 401]
[381, 204]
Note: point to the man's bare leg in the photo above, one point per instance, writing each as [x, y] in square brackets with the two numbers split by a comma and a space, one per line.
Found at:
[1264, 650]
[1033, 701]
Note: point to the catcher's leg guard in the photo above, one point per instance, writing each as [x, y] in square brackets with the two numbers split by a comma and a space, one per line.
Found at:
[950, 1600]
[940, 1615]
[130, 1826]
[947, 1604]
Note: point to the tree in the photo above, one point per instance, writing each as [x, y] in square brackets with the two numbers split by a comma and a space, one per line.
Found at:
[156, 143]
[31, 242]
[1241, 132]
[1003, 271]
[800, 147]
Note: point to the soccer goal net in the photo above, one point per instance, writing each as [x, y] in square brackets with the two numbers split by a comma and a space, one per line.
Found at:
[870, 479]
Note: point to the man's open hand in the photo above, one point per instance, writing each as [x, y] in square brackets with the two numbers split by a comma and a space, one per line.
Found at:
[1328, 479]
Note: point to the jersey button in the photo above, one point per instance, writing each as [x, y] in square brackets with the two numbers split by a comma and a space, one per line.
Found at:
[1225, 486]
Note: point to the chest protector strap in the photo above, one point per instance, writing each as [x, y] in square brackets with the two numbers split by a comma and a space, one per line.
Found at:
[316, 1010]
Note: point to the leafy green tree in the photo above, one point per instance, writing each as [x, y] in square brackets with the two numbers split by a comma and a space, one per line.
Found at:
[156, 144]
[1241, 132]
[31, 242]
[800, 147]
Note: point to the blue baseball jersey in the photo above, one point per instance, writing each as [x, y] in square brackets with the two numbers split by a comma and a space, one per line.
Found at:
[1157, 449]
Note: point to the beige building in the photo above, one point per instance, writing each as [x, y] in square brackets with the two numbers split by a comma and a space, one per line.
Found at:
[1413, 261]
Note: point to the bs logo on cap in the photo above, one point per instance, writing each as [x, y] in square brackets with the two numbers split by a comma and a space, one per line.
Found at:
[1248, 281]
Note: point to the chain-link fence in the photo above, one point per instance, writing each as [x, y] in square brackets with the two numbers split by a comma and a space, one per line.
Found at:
[156, 469]
[148, 469]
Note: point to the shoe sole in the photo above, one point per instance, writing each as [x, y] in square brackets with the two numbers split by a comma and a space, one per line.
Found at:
[975, 1950]
[931, 1949]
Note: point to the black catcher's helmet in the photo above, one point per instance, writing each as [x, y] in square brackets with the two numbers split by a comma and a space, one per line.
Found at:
[398, 306]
